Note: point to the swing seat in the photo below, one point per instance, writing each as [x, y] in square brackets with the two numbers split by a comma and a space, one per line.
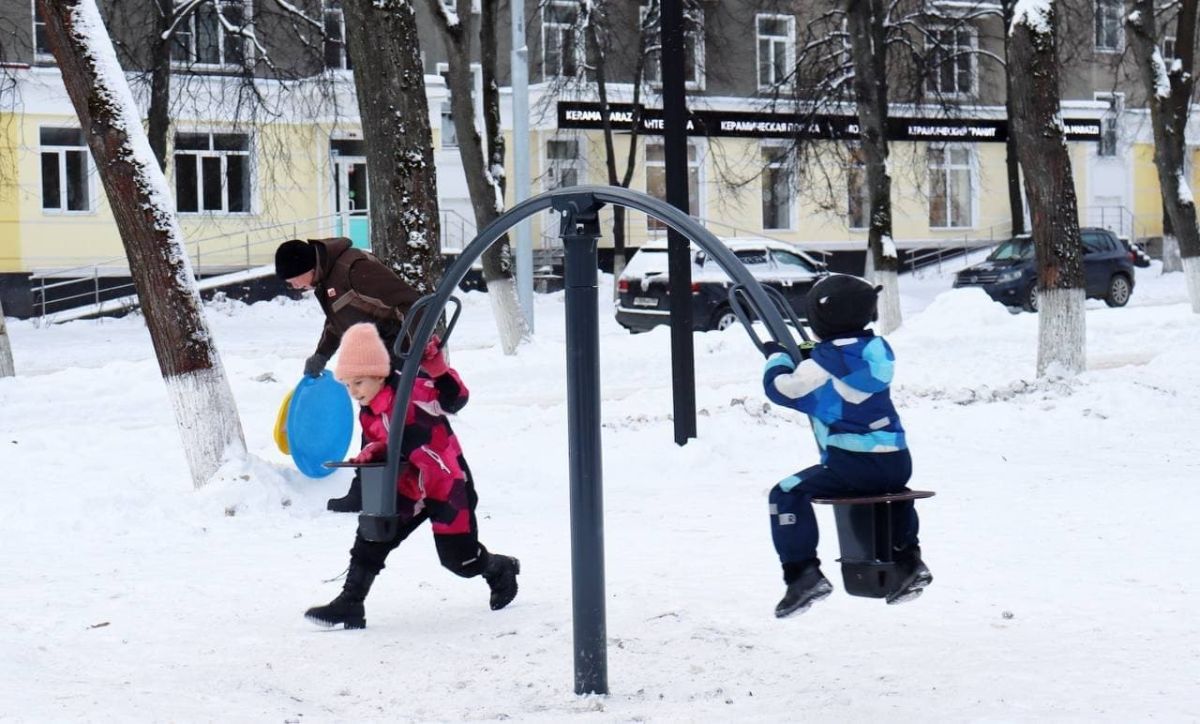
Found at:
[865, 538]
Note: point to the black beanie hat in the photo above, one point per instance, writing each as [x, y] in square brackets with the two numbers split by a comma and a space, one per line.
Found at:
[841, 303]
[294, 258]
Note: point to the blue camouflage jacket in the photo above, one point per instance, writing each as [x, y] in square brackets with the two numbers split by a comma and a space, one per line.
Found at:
[844, 390]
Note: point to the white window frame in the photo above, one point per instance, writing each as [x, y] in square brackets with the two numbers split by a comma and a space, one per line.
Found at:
[333, 8]
[1110, 122]
[652, 71]
[38, 55]
[251, 173]
[1116, 12]
[653, 226]
[61, 153]
[1168, 49]
[562, 30]
[578, 164]
[784, 163]
[789, 50]
[957, 54]
[247, 47]
[446, 109]
[946, 167]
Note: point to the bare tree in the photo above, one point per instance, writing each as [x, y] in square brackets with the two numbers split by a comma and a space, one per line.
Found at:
[145, 216]
[483, 168]
[1169, 95]
[389, 78]
[7, 369]
[1050, 189]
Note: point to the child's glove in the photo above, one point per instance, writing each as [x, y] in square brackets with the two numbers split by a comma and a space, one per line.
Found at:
[370, 453]
[441, 511]
[315, 364]
[432, 359]
[772, 348]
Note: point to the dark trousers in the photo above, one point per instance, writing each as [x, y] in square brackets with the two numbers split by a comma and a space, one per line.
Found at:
[462, 554]
[843, 474]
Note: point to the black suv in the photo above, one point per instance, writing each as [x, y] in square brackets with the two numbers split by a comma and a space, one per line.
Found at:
[1009, 275]
[643, 301]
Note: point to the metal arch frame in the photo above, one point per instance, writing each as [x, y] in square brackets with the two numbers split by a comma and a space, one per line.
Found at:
[578, 207]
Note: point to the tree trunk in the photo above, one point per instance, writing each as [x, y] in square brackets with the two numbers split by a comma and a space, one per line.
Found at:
[389, 80]
[159, 115]
[7, 369]
[868, 51]
[1169, 93]
[145, 216]
[1016, 206]
[1171, 261]
[485, 178]
[1051, 191]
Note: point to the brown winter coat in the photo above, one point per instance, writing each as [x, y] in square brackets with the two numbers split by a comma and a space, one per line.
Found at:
[353, 286]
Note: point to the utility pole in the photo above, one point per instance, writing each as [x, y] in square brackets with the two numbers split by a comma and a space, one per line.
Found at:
[679, 264]
[520, 113]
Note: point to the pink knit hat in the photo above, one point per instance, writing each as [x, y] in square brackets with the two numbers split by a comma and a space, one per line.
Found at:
[362, 354]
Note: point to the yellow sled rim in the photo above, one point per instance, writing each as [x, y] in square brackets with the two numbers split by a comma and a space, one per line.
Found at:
[281, 440]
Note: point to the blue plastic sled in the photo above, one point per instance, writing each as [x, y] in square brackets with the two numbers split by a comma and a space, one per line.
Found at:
[320, 424]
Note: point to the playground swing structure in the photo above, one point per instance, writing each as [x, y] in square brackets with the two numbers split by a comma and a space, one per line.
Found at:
[578, 208]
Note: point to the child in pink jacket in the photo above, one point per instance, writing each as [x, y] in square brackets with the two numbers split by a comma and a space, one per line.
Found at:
[434, 483]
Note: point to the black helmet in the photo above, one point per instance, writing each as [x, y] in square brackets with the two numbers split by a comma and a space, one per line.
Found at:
[841, 303]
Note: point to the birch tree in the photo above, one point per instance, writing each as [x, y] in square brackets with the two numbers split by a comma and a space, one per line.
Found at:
[389, 78]
[483, 167]
[7, 369]
[1169, 95]
[145, 217]
[1049, 187]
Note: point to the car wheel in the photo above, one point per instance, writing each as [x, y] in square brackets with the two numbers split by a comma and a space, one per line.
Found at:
[724, 318]
[1119, 291]
[1031, 299]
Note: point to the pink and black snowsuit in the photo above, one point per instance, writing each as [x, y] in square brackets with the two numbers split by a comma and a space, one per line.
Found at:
[434, 481]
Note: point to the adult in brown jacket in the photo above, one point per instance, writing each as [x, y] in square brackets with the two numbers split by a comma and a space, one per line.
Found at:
[351, 286]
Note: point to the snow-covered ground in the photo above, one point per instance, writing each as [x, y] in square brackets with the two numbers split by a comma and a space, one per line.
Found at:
[1062, 539]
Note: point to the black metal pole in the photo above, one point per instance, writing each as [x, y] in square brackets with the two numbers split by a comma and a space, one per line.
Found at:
[579, 235]
[679, 264]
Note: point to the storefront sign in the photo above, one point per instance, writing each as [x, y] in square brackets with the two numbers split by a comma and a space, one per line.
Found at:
[750, 124]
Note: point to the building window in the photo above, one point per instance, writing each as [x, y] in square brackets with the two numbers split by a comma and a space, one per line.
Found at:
[951, 186]
[858, 194]
[656, 179]
[693, 47]
[1168, 49]
[212, 173]
[777, 192]
[776, 50]
[337, 53]
[1109, 29]
[560, 54]
[212, 35]
[65, 170]
[1110, 128]
[41, 44]
[951, 53]
[564, 163]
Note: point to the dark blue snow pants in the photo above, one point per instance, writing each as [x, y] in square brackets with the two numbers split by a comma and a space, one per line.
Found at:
[844, 473]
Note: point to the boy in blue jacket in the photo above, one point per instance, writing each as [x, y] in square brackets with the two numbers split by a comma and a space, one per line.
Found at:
[842, 385]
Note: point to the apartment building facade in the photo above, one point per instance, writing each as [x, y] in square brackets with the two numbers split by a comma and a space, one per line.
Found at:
[266, 141]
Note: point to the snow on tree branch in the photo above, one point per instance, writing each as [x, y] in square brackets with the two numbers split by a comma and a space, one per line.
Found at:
[1034, 14]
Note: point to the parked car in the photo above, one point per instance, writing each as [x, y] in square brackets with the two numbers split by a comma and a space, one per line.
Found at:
[1009, 275]
[643, 298]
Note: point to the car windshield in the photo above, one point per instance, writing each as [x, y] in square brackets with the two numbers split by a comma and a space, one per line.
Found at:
[1013, 250]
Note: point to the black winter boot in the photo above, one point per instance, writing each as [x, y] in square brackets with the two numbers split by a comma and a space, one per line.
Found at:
[805, 586]
[347, 608]
[916, 576]
[351, 502]
[501, 576]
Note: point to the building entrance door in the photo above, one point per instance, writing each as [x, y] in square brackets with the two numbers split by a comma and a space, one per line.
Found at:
[351, 199]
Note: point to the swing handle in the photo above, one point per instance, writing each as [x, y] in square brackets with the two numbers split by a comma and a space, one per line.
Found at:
[744, 308]
[413, 319]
